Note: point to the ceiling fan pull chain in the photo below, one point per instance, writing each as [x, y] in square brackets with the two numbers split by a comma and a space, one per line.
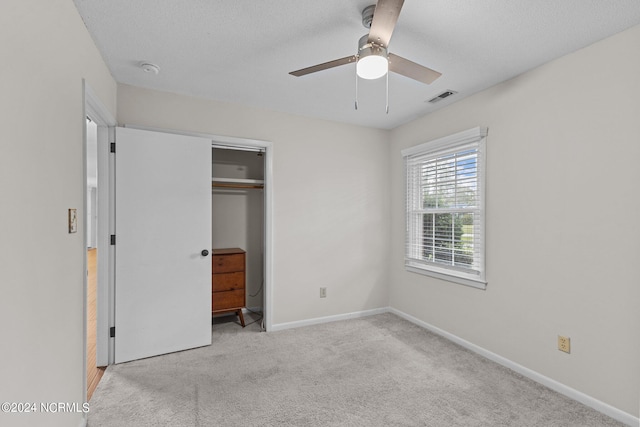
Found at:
[387, 109]
[356, 88]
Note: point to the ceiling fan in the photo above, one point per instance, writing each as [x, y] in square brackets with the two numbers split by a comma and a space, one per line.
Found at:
[372, 59]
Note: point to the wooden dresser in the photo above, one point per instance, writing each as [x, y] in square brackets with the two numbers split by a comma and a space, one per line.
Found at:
[228, 282]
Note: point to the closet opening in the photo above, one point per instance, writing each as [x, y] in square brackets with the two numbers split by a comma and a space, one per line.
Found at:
[238, 237]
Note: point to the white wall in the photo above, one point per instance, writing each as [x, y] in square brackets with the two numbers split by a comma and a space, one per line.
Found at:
[92, 184]
[45, 51]
[238, 217]
[331, 193]
[562, 207]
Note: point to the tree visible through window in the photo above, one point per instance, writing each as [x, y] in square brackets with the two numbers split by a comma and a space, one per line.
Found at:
[444, 206]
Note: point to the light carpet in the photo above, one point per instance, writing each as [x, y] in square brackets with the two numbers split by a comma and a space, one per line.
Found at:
[374, 371]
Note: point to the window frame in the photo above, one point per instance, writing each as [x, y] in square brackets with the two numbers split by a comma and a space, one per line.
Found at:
[438, 148]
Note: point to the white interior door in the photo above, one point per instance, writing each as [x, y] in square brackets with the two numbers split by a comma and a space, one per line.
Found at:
[163, 222]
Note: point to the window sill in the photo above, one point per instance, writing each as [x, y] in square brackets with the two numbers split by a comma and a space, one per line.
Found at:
[478, 284]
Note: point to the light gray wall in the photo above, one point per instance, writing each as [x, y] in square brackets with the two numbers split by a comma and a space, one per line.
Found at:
[331, 192]
[562, 243]
[45, 51]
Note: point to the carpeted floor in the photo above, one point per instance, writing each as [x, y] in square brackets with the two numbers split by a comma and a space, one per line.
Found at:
[375, 371]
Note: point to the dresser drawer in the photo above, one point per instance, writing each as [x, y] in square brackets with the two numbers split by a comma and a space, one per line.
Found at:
[227, 263]
[227, 281]
[227, 300]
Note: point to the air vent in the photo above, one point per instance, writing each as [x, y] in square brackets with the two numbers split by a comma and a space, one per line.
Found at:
[442, 96]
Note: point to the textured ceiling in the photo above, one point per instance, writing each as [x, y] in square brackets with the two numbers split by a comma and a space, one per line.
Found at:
[241, 51]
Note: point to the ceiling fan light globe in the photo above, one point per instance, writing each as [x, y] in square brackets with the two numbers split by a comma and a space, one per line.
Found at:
[372, 67]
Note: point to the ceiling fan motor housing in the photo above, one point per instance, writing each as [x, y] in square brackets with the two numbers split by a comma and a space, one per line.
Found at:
[367, 15]
[365, 48]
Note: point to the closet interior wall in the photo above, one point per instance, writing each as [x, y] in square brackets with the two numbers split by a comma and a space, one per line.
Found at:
[238, 214]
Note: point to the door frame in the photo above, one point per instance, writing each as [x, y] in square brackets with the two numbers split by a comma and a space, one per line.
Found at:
[94, 108]
[240, 143]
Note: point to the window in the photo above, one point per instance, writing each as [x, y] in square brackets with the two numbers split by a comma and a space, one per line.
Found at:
[445, 208]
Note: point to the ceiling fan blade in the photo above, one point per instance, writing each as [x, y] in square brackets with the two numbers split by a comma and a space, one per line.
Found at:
[384, 21]
[410, 69]
[324, 66]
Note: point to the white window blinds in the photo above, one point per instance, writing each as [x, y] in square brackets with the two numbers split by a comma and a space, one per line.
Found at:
[445, 207]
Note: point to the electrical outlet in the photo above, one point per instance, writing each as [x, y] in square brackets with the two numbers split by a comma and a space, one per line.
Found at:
[323, 292]
[564, 344]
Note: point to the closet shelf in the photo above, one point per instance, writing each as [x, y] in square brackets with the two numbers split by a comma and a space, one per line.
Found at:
[236, 183]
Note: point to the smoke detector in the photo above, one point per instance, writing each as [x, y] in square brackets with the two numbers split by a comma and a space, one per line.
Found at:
[149, 68]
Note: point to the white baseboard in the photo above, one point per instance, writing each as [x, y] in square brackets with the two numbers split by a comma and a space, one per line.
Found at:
[327, 319]
[574, 394]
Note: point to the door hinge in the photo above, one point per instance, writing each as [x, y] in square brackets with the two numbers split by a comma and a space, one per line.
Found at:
[113, 147]
[112, 332]
[113, 239]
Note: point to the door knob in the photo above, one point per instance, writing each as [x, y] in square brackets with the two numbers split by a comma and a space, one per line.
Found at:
[204, 252]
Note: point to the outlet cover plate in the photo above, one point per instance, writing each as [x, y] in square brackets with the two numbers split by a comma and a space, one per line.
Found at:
[564, 344]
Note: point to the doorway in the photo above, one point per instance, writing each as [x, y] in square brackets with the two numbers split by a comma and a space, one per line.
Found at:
[94, 373]
[238, 218]
[97, 220]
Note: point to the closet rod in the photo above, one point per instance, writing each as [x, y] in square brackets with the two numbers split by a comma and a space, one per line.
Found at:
[235, 185]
